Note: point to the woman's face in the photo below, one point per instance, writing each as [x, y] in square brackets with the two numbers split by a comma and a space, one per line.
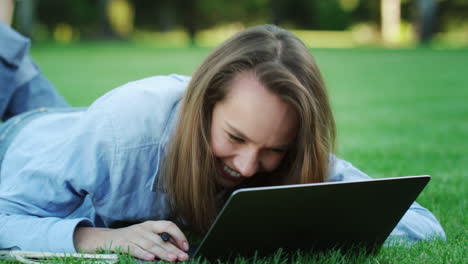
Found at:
[251, 130]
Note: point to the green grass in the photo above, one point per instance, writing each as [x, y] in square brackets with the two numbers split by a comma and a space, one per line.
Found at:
[398, 112]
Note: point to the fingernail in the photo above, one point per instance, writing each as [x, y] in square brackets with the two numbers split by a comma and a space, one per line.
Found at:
[171, 256]
[149, 257]
[185, 245]
[183, 256]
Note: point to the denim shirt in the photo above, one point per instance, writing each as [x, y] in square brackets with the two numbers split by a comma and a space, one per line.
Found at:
[97, 166]
[92, 167]
[22, 86]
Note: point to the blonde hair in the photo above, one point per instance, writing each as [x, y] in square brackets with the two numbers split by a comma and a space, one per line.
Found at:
[282, 63]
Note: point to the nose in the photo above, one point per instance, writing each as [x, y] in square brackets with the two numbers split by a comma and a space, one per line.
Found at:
[246, 162]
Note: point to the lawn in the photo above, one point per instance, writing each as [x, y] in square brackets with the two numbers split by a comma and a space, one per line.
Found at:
[398, 112]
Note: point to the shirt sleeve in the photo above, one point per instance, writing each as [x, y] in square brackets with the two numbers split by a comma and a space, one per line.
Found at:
[417, 223]
[47, 176]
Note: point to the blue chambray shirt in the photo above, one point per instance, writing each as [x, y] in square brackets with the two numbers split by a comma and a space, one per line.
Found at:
[97, 166]
[91, 167]
[22, 86]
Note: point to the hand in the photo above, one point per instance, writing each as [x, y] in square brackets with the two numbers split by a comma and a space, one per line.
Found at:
[140, 240]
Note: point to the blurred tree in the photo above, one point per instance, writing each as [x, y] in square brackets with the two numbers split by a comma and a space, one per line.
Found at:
[390, 13]
[425, 19]
[6, 11]
[166, 15]
[298, 13]
[366, 12]
[248, 12]
[332, 16]
[81, 15]
[189, 10]
[120, 16]
[25, 16]
[452, 15]
[102, 18]
[195, 15]
[105, 27]
[91, 17]
[155, 15]
[308, 14]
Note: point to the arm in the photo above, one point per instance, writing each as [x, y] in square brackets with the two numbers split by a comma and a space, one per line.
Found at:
[418, 223]
[39, 203]
[141, 240]
[100, 154]
[47, 176]
[31, 233]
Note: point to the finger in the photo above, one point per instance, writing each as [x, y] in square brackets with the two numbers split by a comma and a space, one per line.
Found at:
[159, 227]
[139, 252]
[169, 246]
[163, 253]
[175, 243]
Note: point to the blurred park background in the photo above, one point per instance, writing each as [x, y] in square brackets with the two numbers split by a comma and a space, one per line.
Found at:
[320, 23]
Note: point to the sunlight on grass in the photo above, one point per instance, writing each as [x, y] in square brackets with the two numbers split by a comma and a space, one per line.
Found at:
[174, 38]
[214, 36]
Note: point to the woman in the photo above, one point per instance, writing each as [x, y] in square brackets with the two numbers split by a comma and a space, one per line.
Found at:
[161, 154]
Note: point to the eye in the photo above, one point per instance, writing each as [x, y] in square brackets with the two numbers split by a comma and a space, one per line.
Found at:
[279, 151]
[236, 139]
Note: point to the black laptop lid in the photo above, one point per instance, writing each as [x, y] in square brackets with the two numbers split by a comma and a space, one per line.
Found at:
[310, 216]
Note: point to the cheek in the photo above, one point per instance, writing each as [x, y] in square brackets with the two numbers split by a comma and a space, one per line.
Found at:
[272, 161]
[220, 146]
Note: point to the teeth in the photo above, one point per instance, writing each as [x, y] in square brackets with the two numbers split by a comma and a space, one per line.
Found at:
[231, 172]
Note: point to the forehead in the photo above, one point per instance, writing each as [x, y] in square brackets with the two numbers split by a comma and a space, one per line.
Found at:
[257, 112]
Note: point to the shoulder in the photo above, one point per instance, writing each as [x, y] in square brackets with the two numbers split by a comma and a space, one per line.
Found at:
[342, 170]
[139, 111]
[165, 89]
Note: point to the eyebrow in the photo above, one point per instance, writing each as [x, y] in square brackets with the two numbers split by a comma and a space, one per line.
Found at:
[242, 135]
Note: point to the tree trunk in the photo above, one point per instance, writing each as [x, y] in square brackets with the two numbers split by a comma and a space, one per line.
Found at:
[189, 18]
[390, 12]
[106, 31]
[426, 18]
[25, 16]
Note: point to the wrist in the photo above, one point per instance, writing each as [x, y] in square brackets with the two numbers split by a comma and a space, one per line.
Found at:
[89, 239]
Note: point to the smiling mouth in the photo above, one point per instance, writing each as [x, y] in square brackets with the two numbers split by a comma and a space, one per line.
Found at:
[230, 171]
[230, 174]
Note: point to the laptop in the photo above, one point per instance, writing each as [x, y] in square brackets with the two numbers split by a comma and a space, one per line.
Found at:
[316, 217]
